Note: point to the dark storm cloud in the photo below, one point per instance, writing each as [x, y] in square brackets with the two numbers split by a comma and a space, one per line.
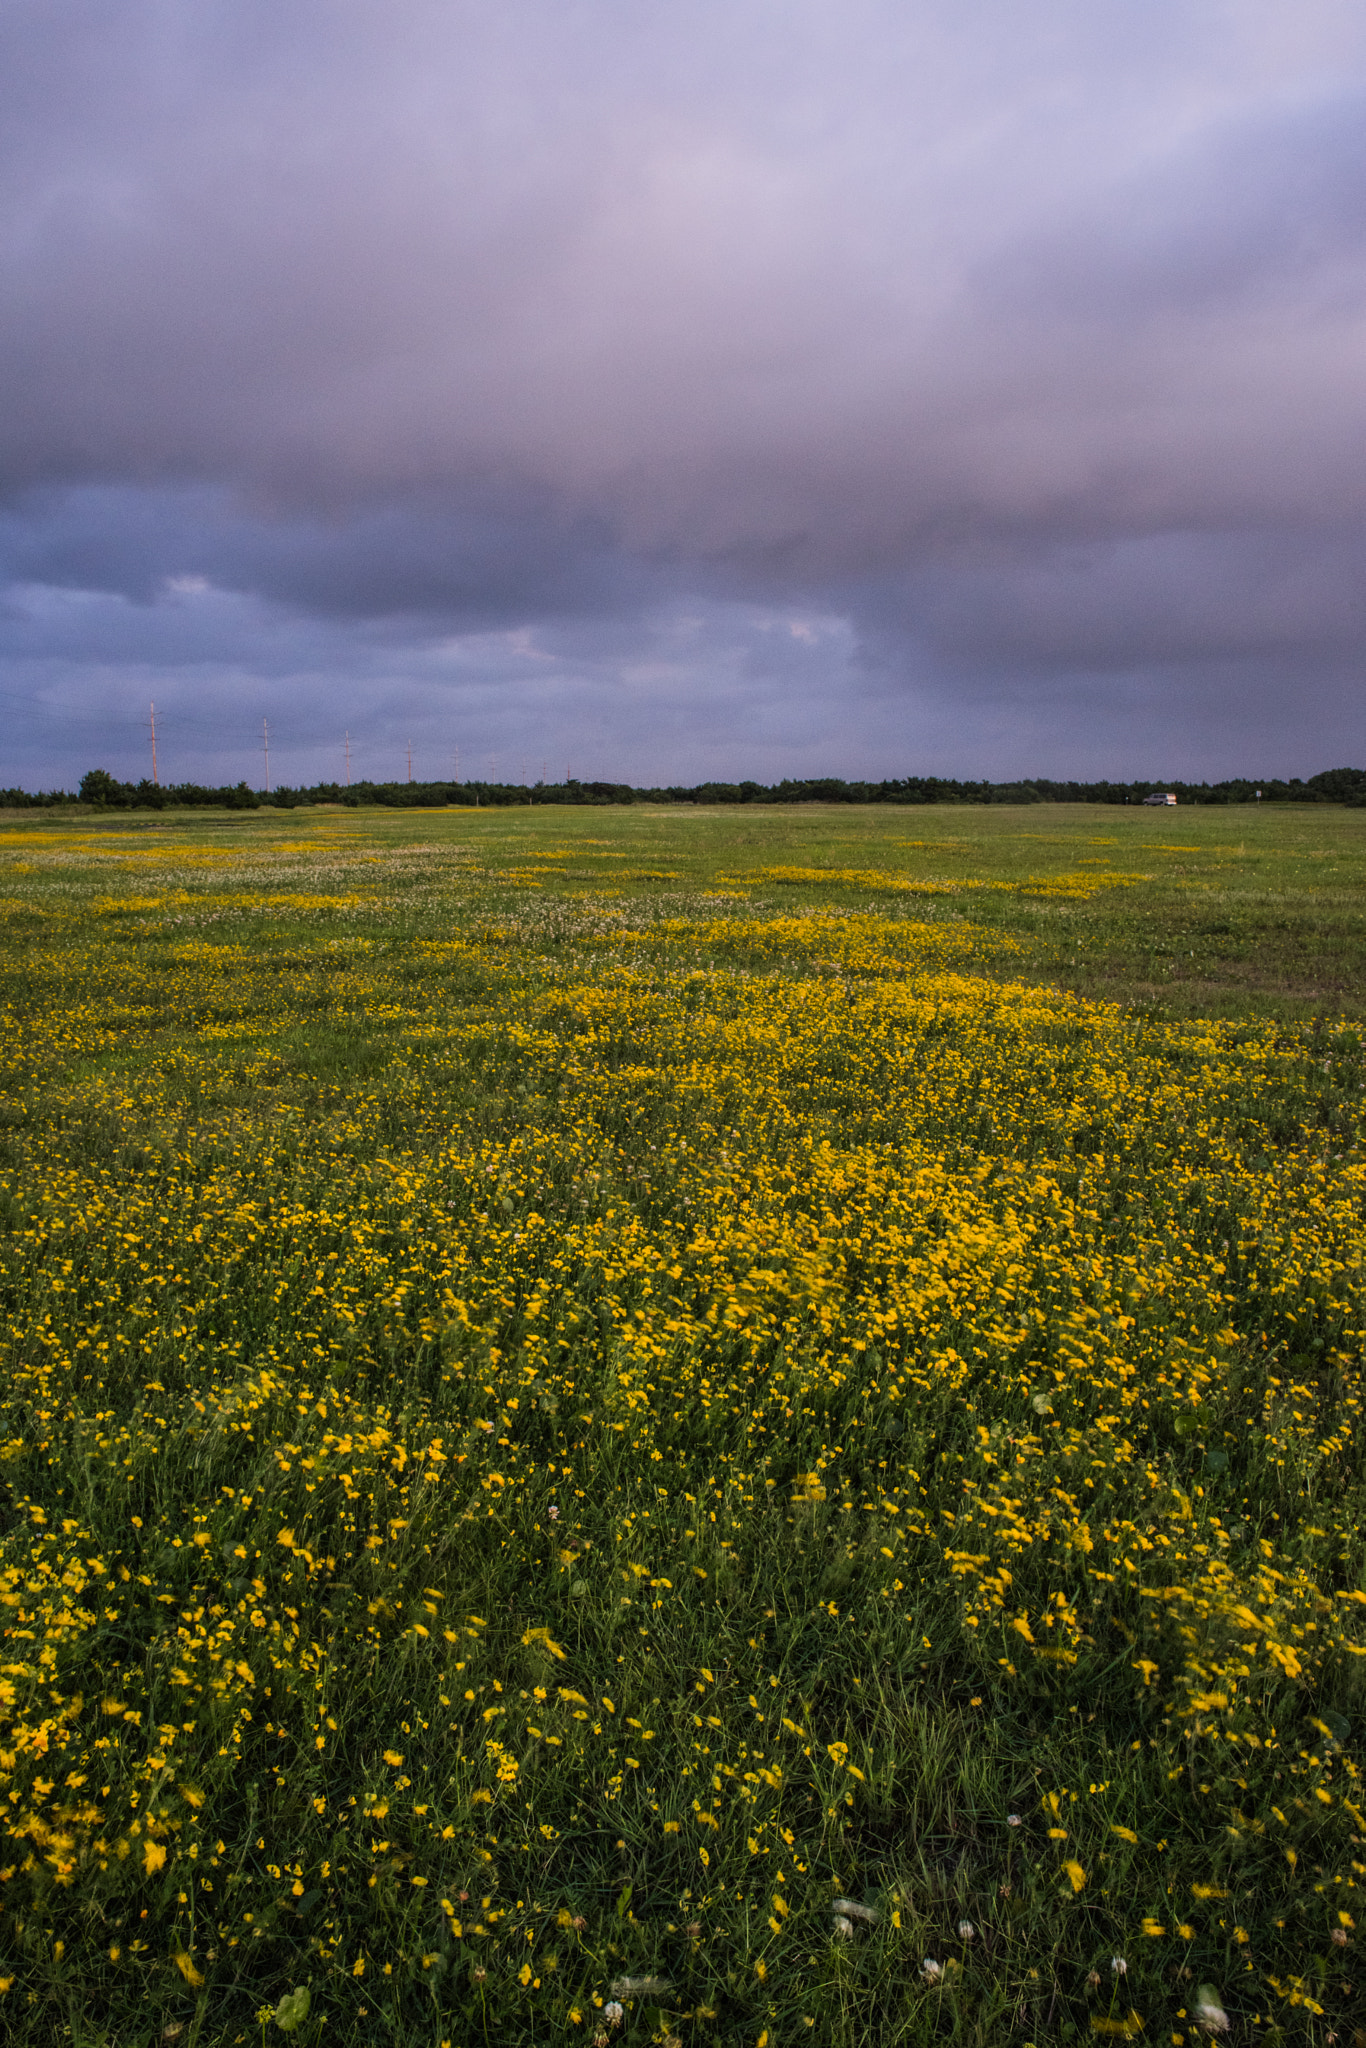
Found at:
[711, 389]
[475, 560]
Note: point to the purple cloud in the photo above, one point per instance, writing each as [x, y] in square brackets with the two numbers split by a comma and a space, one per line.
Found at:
[418, 364]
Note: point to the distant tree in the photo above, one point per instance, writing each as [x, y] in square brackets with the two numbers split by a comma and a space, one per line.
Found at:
[1340, 785]
[99, 787]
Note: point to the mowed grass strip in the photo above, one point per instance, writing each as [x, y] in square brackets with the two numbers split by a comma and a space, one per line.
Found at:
[645, 1443]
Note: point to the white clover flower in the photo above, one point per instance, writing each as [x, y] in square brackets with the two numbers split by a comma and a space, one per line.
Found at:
[613, 2012]
[1119, 1966]
[1013, 1821]
[966, 1931]
[931, 1971]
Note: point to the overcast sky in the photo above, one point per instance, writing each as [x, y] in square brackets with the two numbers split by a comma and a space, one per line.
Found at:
[663, 389]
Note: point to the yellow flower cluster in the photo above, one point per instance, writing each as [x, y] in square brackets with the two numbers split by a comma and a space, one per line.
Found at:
[511, 1405]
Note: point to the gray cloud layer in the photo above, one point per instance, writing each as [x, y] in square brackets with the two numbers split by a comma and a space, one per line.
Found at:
[862, 387]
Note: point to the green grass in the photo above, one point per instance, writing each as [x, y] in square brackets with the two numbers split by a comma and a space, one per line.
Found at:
[371, 1131]
[1243, 912]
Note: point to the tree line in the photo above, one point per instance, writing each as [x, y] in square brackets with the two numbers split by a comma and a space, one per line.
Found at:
[100, 790]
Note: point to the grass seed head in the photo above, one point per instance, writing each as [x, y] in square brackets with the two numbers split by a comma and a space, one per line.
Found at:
[1210, 2012]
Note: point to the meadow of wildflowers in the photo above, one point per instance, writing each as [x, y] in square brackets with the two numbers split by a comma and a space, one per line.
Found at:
[606, 1441]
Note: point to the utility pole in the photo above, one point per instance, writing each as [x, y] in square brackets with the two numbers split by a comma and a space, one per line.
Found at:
[265, 749]
[348, 760]
[410, 760]
[152, 721]
[455, 757]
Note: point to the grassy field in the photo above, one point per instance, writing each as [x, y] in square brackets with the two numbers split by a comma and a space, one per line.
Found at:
[733, 1428]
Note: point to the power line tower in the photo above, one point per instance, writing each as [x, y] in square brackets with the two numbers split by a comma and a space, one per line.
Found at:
[410, 760]
[348, 760]
[265, 749]
[152, 721]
